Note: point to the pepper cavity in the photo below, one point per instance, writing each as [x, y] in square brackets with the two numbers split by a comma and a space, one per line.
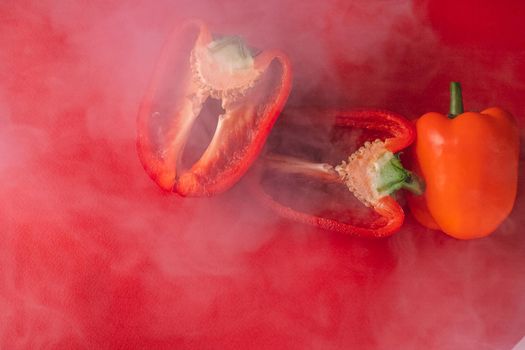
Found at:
[298, 172]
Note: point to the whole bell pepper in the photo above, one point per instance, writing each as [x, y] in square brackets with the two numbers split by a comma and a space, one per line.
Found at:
[246, 93]
[366, 169]
[469, 162]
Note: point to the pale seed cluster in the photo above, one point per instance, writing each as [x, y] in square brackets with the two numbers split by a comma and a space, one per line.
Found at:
[230, 94]
[360, 171]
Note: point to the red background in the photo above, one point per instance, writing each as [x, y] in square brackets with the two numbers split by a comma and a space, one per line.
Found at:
[94, 256]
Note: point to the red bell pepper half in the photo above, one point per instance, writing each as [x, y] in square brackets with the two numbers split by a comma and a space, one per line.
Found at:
[373, 172]
[195, 69]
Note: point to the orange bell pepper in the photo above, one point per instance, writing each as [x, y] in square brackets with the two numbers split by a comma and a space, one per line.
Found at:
[469, 162]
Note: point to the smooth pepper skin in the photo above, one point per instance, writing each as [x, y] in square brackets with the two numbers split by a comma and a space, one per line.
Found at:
[470, 167]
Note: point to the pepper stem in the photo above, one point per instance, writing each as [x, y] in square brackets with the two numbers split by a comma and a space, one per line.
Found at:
[456, 100]
[393, 176]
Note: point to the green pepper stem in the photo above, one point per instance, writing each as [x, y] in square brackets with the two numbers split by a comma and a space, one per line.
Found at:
[393, 176]
[456, 100]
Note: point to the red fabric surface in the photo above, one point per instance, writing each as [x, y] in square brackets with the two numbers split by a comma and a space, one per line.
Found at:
[94, 256]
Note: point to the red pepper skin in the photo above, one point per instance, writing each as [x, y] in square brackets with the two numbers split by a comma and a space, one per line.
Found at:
[170, 108]
[391, 212]
[401, 134]
[402, 131]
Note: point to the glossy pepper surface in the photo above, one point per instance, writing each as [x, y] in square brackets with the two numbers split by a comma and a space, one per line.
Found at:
[369, 175]
[469, 162]
[195, 68]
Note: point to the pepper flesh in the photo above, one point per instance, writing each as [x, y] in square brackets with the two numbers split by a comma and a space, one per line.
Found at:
[353, 172]
[194, 68]
[470, 167]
